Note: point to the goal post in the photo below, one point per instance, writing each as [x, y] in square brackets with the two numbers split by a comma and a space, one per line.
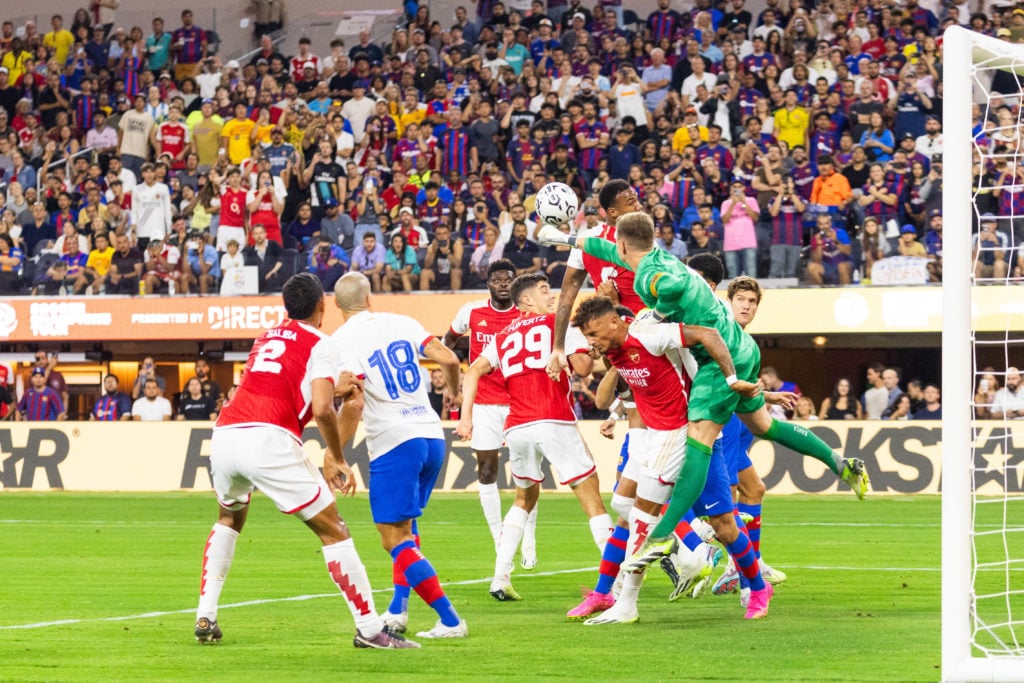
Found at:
[982, 618]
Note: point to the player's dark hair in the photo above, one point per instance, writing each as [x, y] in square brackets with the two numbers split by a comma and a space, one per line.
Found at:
[526, 282]
[623, 311]
[709, 266]
[611, 190]
[594, 307]
[301, 293]
[501, 266]
[636, 229]
[744, 283]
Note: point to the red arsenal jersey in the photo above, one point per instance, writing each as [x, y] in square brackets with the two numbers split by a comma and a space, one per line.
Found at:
[482, 322]
[657, 367]
[174, 137]
[600, 271]
[521, 351]
[232, 208]
[277, 384]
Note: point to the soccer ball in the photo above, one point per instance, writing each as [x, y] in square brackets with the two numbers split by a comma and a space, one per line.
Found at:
[557, 204]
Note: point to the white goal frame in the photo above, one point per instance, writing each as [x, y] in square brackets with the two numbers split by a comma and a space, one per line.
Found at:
[961, 50]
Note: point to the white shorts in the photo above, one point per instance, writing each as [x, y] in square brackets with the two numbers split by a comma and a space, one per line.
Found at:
[272, 459]
[558, 443]
[225, 234]
[635, 449]
[664, 452]
[488, 427]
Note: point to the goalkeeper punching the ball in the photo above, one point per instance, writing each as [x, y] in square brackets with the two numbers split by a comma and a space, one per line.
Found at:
[678, 294]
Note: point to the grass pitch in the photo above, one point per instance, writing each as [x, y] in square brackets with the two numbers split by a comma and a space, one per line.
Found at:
[104, 587]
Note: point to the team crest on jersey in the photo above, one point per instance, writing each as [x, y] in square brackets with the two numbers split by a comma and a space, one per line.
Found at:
[634, 356]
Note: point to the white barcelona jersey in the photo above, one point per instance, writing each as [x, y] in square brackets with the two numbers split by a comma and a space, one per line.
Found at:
[384, 350]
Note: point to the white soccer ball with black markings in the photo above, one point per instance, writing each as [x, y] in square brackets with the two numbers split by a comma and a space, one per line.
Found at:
[557, 204]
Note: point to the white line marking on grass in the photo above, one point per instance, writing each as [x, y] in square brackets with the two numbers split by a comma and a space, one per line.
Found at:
[267, 601]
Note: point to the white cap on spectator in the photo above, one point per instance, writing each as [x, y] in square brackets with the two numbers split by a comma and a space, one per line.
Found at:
[233, 64]
[309, 65]
[579, 15]
[405, 209]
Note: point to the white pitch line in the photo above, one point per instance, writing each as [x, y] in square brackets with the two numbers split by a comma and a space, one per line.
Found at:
[469, 582]
[267, 601]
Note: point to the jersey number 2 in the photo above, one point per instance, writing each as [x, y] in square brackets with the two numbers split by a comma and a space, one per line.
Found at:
[265, 360]
[398, 368]
[537, 346]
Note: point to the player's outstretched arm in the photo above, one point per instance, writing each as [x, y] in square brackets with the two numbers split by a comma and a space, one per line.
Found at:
[571, 284]
[602, 249]
[336, 471]
[449, 362]
[712, 341]
[470, 383]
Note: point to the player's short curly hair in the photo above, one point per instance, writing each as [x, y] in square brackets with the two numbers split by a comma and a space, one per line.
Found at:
[301, 293]
[594, 307]
[709, 266]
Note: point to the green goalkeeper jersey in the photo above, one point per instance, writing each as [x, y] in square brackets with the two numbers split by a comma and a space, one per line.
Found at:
[680, 294]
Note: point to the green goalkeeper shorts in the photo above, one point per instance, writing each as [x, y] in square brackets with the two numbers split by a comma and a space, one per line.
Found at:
[712, 399]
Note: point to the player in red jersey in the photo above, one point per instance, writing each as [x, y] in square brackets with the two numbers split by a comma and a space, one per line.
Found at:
[481, 320]
[541, 422]
[173, 138]
[257, 441]
[610, 279]
[655, 364]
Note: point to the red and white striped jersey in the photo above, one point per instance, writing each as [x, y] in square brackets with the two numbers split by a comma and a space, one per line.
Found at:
[482, 321]
[655, 364]
[277, 384]
[601, 271]
[384, 349]
[521, 351]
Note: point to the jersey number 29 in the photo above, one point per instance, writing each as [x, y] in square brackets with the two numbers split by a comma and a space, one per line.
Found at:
[530, 350]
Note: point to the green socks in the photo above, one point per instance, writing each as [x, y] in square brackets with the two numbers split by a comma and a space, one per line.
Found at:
[802, 441]
[688, 487]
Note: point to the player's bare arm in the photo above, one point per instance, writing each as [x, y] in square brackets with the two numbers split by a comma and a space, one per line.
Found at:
[712, 341]
[449, 362]
[571, 284]
[470, 383]
[606, 388]
[347, 384]
[336, 471]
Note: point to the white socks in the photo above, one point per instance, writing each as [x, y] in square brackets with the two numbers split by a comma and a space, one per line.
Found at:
[349, 575]
[530, 534]
[601, 527]
[490, 501]
[217, 556]
[511, 534]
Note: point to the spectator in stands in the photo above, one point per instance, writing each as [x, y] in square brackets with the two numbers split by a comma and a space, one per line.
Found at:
[10, 266]
[368, 258]
[786, 209]
[203, 265]
[908, 244]
[1008, 402]
[830, 254]
[442, 265]
[830, 188]
[328, 262]
[415, 236]
[162, 268]
[113, 405]
[151, 406]
[842, 404]
[194, 404]
[126, 264]
[900, 410]
[522, 252]
[804, 409]
[891, 381]
[436, 393]
[37, 229]
[873, 246]
[990, 250]
[667, 240]
[701, 242]
[40, 402]
[267, 257]
[303, 229]
[400, 265]
[47, 361]
[876, 398]
[189, 47]
[135, 129]
[490, 250]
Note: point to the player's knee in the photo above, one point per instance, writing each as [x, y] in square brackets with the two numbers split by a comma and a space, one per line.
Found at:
[622, 505]
[487, 467]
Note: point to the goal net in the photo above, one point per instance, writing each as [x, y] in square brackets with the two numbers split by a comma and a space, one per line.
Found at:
[983, 446]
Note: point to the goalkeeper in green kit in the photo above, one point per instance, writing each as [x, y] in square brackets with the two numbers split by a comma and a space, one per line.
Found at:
[678, 294]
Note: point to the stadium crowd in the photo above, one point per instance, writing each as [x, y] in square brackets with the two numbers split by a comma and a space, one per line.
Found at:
[801, 142]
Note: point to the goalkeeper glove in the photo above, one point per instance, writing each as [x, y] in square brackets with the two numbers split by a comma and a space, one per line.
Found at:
[550, 235]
